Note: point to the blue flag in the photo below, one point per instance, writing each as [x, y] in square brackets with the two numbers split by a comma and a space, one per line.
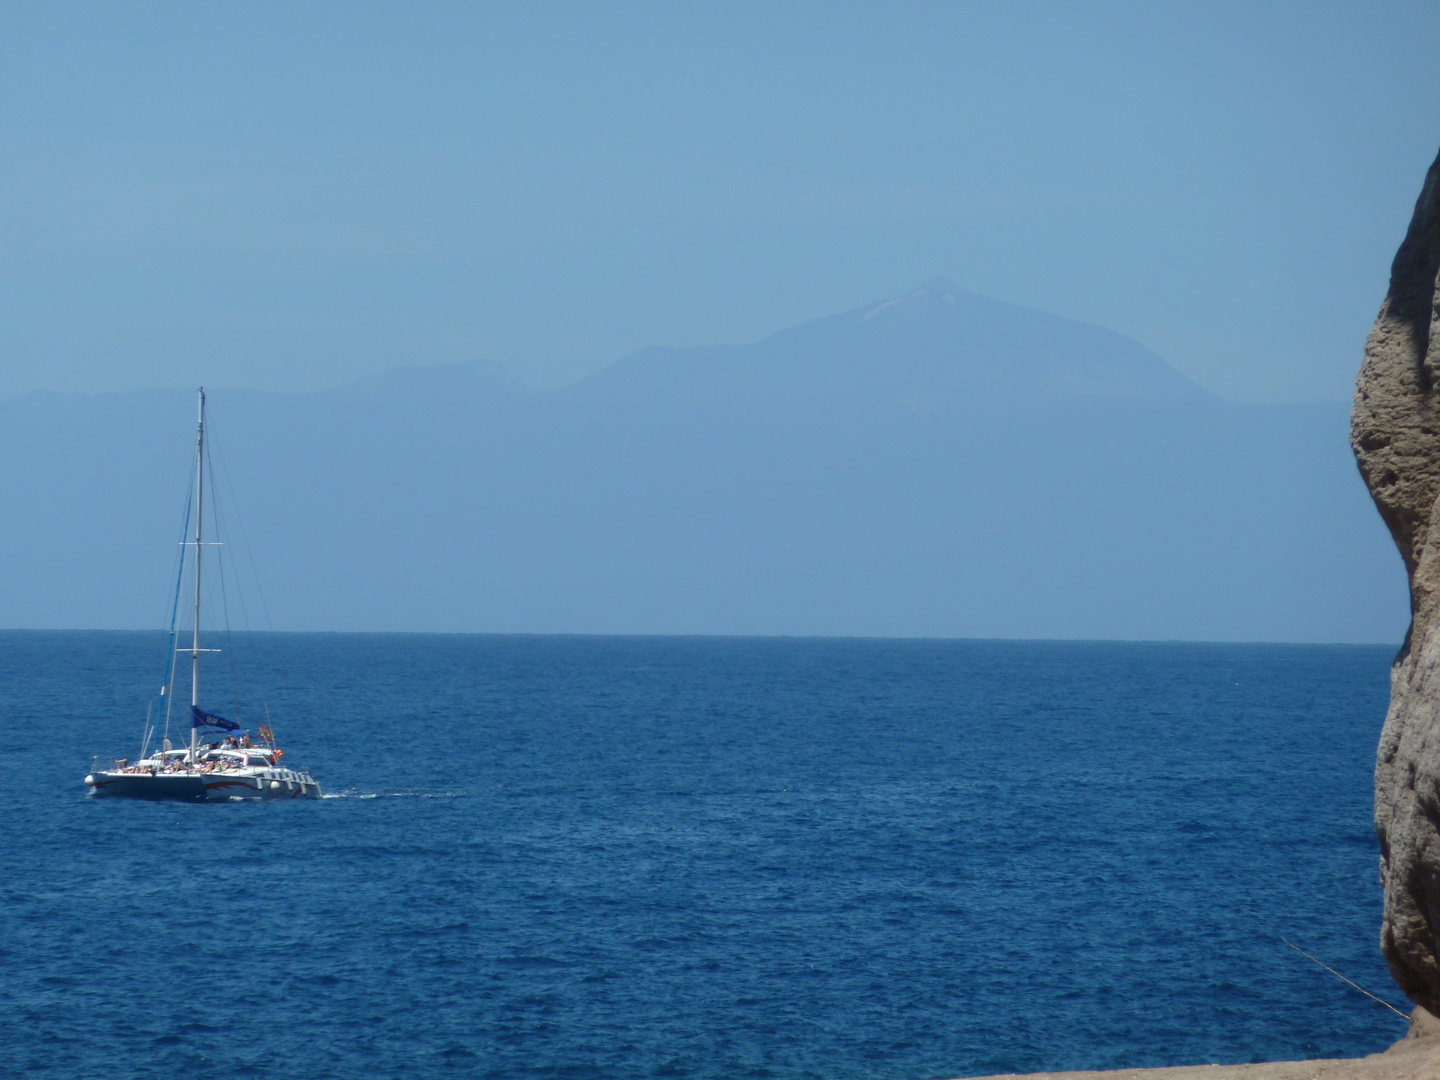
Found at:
[205, 719]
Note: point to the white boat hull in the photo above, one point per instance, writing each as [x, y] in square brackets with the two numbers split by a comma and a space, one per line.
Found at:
[249, 784]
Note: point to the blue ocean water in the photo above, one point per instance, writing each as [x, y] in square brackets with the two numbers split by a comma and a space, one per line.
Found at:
[690, 857]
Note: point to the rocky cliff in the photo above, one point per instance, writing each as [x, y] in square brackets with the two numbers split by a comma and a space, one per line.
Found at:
[1395, 432]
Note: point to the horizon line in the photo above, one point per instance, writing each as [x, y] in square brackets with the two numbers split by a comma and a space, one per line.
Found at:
[737, 637]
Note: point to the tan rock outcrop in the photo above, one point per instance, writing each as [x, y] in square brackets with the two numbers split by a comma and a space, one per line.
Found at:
[1395, 433]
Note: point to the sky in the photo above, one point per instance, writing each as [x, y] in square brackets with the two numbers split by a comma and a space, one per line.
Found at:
[292, 196]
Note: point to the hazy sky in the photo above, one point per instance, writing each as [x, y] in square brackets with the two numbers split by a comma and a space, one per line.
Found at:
[291, 196]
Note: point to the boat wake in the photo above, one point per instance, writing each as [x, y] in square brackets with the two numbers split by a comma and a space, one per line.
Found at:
[395, 795]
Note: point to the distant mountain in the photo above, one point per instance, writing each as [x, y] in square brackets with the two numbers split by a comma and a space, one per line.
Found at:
[938, 464]
[934, 347]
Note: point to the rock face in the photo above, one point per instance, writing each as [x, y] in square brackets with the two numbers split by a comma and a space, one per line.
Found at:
[1395, 433]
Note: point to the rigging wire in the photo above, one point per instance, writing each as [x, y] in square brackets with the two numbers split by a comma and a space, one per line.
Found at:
[167, 686]
[221, 535]
[244, 539]
[229, 576]
[217, 460]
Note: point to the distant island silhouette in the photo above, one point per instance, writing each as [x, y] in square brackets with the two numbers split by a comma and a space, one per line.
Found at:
[936, 464]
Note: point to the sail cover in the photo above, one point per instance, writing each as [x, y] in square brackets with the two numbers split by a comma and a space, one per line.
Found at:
[205, 719]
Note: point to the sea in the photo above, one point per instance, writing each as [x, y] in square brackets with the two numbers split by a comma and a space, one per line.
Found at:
[699, 857]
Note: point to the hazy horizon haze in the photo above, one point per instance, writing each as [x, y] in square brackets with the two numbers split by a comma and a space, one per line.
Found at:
[938, 464]
[290, 197]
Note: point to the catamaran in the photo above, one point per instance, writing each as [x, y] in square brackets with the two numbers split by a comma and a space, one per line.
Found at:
[221, 762]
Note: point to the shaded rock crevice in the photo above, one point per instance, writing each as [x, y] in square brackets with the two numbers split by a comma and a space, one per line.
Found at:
[1395, 434]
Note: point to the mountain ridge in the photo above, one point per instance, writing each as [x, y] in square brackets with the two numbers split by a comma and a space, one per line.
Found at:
[939, 328]
[1147, 371]
[849, 476]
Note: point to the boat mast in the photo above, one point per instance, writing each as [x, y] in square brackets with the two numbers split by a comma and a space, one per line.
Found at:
[199, 519]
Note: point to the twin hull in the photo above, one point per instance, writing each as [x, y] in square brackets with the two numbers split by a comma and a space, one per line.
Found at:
[203, 787]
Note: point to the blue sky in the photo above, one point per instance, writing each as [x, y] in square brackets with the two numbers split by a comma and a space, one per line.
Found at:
[292, 196]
